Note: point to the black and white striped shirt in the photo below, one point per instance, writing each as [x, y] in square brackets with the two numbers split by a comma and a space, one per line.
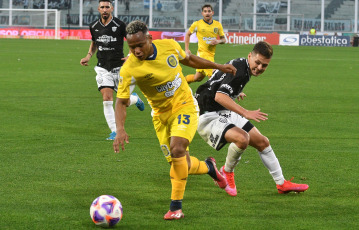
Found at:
[223, 83]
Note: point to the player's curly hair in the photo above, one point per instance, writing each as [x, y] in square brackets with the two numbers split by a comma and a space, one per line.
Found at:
[263, 48]
[136, 26]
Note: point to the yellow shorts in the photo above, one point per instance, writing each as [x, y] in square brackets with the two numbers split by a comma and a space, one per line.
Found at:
[206, 72]
[183, 123]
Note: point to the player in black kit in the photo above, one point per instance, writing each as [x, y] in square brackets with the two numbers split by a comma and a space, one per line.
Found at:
[224, 121]
[108, 34]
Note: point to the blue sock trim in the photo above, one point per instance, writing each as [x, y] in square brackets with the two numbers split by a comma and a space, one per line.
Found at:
[176, 205]
[211, 170]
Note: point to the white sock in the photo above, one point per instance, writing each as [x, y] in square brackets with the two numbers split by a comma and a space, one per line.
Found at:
[233, 157]
[271, 162]
[133, 99]
[109, 115]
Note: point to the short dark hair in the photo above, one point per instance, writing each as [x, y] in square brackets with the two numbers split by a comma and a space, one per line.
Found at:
[105, 1]
[137, 26]
[207, 5]
[263, 48]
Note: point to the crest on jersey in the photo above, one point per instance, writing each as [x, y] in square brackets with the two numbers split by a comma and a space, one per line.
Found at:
[215, 30]
[172, 61]
[114, 28]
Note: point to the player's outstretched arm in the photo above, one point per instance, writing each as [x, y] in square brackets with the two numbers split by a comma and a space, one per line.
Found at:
[201, 63]
[228, 103]
[186, 42]
[120, 116]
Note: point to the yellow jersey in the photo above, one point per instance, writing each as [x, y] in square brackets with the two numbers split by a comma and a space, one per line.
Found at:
[312, 31]
[205, 34]
[159, 77]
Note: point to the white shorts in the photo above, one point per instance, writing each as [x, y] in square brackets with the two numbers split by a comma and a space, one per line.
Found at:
[110, 79]
[212, 126]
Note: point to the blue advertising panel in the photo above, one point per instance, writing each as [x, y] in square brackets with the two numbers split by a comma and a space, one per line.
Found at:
[323, 40]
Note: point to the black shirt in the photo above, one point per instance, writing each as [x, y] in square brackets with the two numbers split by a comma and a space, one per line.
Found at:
[109, 42]
[223, 83]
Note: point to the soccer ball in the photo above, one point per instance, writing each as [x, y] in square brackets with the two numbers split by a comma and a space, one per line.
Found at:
[106, 211]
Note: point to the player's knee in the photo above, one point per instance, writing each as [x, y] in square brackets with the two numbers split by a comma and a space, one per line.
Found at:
[242, 140]
[177, 151]
[262, 143]
[106, 97]
[107, 94]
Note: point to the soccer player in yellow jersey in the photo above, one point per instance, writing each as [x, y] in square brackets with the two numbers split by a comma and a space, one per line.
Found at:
[156, 69]
[207, 30]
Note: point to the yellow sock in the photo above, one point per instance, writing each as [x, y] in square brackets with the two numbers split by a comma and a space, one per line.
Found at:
[178, 174]
[190, 78]
[197, 167]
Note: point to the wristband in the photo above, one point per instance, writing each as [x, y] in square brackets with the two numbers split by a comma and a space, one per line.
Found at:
[90, 54]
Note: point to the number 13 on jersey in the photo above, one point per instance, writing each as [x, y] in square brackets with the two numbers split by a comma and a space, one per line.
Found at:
[183, 118]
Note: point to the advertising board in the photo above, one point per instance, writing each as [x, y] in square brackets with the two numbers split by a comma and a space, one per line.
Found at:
[323, 40]
[289, 39]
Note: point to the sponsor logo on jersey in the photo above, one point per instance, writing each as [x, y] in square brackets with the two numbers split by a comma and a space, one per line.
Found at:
[101, 48]
[149, 76]
[182, 127]
[228, 87]
[106, 39]
[170, 87]
[208, 39]
[172, 61]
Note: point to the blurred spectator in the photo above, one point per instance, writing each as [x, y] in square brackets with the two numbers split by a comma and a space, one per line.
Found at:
[91, 11]
[16, 2]
[312, 31]
[159, 6]
[39, 4]
[127, 4]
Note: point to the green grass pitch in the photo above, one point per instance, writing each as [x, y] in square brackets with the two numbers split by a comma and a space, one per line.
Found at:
[55, 160]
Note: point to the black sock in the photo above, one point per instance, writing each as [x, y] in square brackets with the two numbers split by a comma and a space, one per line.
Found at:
[176, 205]
[211, 170]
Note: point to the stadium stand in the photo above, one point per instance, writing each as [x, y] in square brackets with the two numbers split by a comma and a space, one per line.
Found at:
[344, 11]
[310, 8]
